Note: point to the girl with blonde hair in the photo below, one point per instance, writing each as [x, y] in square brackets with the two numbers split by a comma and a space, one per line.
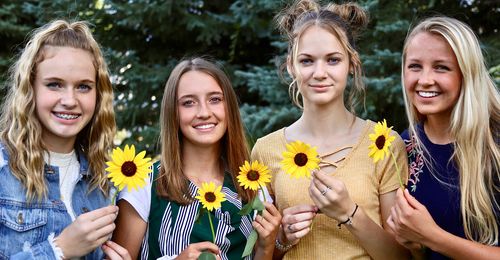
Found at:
[354, 195]
[202, 140]
[453, 106]
[56, 129]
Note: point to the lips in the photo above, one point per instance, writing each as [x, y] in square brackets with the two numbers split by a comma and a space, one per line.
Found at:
[66, 116]
[205, 126]
[427, 94]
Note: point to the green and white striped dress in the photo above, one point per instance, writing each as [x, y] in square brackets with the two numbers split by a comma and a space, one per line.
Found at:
[172, 227]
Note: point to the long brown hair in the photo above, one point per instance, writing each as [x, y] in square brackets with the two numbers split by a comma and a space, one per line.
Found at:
[171, 182]
[20, 129]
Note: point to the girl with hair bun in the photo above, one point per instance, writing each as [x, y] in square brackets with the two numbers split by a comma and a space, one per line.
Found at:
[56, 129]
[340, 213]
[453, 106]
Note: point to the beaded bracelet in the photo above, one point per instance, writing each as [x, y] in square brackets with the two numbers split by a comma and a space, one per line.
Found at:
[281, 247]
[349, 218]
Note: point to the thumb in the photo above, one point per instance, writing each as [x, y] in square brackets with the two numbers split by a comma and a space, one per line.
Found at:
[411, 200]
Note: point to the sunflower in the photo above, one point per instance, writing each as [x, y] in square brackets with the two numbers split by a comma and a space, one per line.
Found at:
[253, 175]
[128, 169]
[299, 159]
[382, 139]
[210, 196]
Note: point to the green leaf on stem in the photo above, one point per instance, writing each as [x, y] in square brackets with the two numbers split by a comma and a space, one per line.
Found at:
[257, 204]
[206, 256]
[247, 209]
[252, 238]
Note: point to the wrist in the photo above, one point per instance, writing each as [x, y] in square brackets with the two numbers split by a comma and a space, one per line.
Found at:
[348, 220]
[282, 247]
[56, 247]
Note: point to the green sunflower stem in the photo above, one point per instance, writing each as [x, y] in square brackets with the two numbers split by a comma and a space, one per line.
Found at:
[113, 199]
[211, 226]
[397, 169]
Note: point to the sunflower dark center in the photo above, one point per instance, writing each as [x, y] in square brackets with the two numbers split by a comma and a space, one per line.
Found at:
[253, 175]
[300, 159]
[210, 197]
[129, 168]
[380, 142]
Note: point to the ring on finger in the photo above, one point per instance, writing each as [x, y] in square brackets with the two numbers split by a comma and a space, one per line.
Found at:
[290, 228]
[325, 190]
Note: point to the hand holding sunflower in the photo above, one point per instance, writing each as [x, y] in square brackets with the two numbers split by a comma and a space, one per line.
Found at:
[128, 169]
[253, 176]
[382, 141]
[210, 197]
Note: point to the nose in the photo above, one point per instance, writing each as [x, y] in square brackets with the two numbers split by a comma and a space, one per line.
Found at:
[426, 78]
[68, 97]
[203, 111]
[319, 71]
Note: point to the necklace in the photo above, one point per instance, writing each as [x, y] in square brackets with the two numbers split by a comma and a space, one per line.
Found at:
[63, 177]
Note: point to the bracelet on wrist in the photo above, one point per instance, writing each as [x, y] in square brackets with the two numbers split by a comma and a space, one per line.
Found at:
[282, 247]
[349, 218]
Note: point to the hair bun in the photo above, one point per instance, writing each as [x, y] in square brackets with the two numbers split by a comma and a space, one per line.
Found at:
[286, 18]
[354, 15]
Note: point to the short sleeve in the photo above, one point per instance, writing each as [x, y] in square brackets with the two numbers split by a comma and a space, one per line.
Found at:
[139, 199]
[389, 179]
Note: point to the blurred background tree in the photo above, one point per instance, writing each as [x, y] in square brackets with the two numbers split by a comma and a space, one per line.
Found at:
[144, 39]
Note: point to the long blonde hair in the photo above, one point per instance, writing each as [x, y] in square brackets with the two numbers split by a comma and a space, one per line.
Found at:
[475, 125]
[344, 21]
[20, 128]
[171, 182]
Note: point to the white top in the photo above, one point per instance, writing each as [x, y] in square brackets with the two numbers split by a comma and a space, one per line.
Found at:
[141, 199]
[69, 171]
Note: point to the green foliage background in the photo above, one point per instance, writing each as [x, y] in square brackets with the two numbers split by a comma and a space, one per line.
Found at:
[144, 39]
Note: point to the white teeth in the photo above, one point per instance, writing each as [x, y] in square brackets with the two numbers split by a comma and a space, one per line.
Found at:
[427, 94]
[205, 126]
[66, 116]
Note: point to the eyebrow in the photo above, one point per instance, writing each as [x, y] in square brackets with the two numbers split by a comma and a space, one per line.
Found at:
[208, 94]
[328, 54]
[88, 81]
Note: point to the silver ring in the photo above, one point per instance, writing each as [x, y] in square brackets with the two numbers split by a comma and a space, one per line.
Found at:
[325, 190]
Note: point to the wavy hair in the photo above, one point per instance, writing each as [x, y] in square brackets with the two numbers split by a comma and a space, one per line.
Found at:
[344, 21]
[20, 128]
[474, 124]
[171, 182]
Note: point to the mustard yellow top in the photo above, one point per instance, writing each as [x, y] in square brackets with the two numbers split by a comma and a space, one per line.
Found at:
[364, 179]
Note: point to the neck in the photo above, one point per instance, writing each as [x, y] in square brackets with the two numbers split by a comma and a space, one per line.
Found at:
[202, 164]
[438, 130]
[324, 122]
[59, 146]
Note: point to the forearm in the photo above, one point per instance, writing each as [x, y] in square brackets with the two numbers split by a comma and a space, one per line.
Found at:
[374, 239]
[459, 248]
[265, 253]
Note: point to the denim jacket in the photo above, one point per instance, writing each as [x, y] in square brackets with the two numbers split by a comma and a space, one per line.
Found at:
[25, 228]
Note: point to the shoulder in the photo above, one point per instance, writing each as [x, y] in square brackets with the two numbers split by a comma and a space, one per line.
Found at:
[273, 138]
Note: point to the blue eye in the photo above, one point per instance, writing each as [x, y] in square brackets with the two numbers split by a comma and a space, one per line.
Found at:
[305, 61]
[215, 100]
[414, 66]
[84, 87]
[442, 68]
[187, 103]
[53, 85]
[333, 61]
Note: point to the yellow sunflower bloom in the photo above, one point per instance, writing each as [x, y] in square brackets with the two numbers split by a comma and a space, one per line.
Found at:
[210, 196]
[299, 159]
[382, 140]
[128, 169]
[254, 175]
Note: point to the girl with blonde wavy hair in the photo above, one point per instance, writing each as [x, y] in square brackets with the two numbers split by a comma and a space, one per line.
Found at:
[452, 205]
[56, 129]
[354, 195]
